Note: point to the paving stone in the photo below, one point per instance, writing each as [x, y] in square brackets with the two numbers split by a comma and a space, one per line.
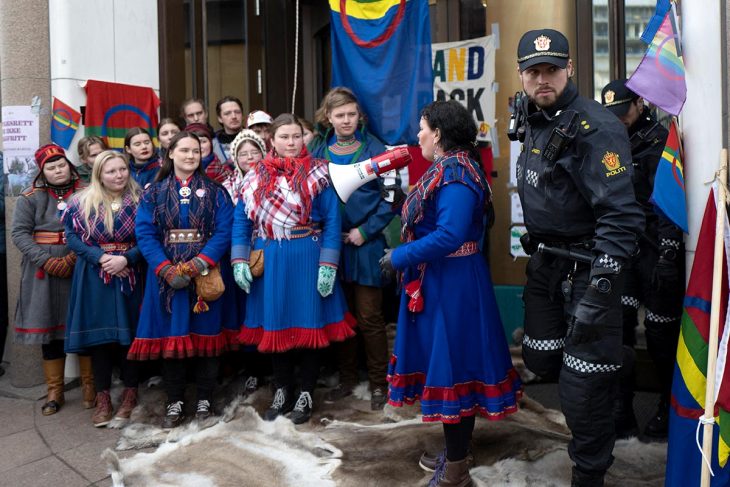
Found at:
[49, 471]
[21, 448]
[87, 458]
[15, 415]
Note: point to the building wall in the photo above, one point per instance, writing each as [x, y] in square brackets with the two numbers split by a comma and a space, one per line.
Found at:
[106, 40]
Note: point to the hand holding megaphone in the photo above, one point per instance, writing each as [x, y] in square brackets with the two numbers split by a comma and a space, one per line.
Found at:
[346, 179]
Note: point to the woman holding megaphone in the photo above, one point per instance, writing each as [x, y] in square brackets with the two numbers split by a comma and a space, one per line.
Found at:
[286, 249]
[450, 349]
[365, 215]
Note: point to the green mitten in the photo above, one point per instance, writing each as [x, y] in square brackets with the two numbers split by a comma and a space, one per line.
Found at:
[326, 280]
[242, 276]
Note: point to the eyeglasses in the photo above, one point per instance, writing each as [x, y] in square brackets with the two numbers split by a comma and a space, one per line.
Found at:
[246, 155]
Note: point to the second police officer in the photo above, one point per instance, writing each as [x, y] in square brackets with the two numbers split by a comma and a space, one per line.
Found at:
[574, 182]
[655, 276]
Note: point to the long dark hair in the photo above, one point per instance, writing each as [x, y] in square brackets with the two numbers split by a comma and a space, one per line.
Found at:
[167, 165]
[457, 128]
[135, 131]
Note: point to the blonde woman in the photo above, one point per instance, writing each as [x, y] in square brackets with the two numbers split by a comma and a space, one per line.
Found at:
[106, 292]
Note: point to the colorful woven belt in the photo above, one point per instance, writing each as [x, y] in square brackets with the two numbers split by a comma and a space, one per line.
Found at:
[50, 238]
[299, 231]
[183, 235]
[468, 248]
[116, 246]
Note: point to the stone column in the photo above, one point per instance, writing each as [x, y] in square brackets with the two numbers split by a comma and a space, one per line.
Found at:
[24, 74]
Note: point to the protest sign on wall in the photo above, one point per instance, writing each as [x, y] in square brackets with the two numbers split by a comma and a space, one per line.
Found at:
[464, 71]
[20, 141]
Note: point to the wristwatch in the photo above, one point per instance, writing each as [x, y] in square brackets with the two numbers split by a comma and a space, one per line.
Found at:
[602, 284]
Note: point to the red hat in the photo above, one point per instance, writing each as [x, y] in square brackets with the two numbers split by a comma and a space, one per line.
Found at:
[48, 153]
[200, 129]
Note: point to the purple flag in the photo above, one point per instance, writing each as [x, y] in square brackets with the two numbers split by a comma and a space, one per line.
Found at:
[660, 76]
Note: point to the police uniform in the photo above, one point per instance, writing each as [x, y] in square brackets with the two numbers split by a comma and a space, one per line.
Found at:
[655, 275]
[574, 182]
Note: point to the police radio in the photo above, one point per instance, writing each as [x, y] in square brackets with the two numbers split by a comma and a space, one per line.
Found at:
[561, 135]
[640, 136]
[516, 128]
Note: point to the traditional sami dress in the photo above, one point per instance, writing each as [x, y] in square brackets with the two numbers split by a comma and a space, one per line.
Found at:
[168, 327]
[234, 297]
[40, 316]
[365, 210]
[450, 349]
[145, 173]
[102, 308]
[284, 311]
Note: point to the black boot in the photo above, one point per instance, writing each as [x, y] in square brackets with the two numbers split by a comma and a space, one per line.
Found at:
[283, 402]
[586, 479]
[658, 425]
[303, 409]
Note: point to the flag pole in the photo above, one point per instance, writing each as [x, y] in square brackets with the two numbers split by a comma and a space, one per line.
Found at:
[714, 321]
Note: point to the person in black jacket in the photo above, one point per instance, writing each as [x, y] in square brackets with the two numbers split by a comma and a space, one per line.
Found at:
[655, 277]
[574, 182]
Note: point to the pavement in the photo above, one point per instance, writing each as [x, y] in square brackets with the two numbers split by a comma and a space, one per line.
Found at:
[59, 450]
[64, 449]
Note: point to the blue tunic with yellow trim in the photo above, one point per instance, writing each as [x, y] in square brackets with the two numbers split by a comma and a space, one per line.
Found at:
[180, 333]
[453, 355]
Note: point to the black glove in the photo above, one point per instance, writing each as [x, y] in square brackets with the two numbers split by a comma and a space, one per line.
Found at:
[666, 274]
[386, 265]
[529, 246]
[591, 307]
[399, 196]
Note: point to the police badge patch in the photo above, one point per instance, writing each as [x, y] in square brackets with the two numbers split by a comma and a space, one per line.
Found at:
[612, 163]
[542, 43]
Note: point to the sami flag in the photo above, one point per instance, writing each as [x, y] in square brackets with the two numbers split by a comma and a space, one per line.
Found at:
[669, 193]
[114, 108]
[662, 7]
[684, 461]
[660, 75]
[381, 50]
[64, 123]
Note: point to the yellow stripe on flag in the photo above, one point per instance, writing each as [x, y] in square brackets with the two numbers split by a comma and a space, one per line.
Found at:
[723, 451]
[63, 121]
[694, 379]
[668, 156]
[365, 10]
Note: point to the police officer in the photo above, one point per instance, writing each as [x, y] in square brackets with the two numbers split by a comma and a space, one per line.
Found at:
[574, 182]
[655, 277]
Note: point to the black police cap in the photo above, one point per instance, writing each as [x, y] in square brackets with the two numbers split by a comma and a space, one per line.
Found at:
[617, 98]
[542, 46]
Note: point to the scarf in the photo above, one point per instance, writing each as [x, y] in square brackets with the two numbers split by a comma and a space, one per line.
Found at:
[413, 209]
[97, 234]
[427, 185]
[278, 192]
[215, 169]
[234, 186]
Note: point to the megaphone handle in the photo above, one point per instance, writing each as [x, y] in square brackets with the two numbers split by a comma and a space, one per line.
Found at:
[389, 179]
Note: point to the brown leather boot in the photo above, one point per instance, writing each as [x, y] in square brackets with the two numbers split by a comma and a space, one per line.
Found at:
[53, 370]
[129, 402]
[88, 392]
[103, 412]
[452, 474]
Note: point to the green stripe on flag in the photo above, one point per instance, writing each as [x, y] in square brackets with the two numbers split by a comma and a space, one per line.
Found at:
[696, 345]
[723, 450]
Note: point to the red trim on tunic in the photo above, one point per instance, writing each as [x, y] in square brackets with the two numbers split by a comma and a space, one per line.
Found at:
[187, 346]
[162, 264]
[290, 338]
[40, 330]
[458, 390]
[231, 337]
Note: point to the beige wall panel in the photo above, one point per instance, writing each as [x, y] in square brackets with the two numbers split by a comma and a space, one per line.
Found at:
[514, 19]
